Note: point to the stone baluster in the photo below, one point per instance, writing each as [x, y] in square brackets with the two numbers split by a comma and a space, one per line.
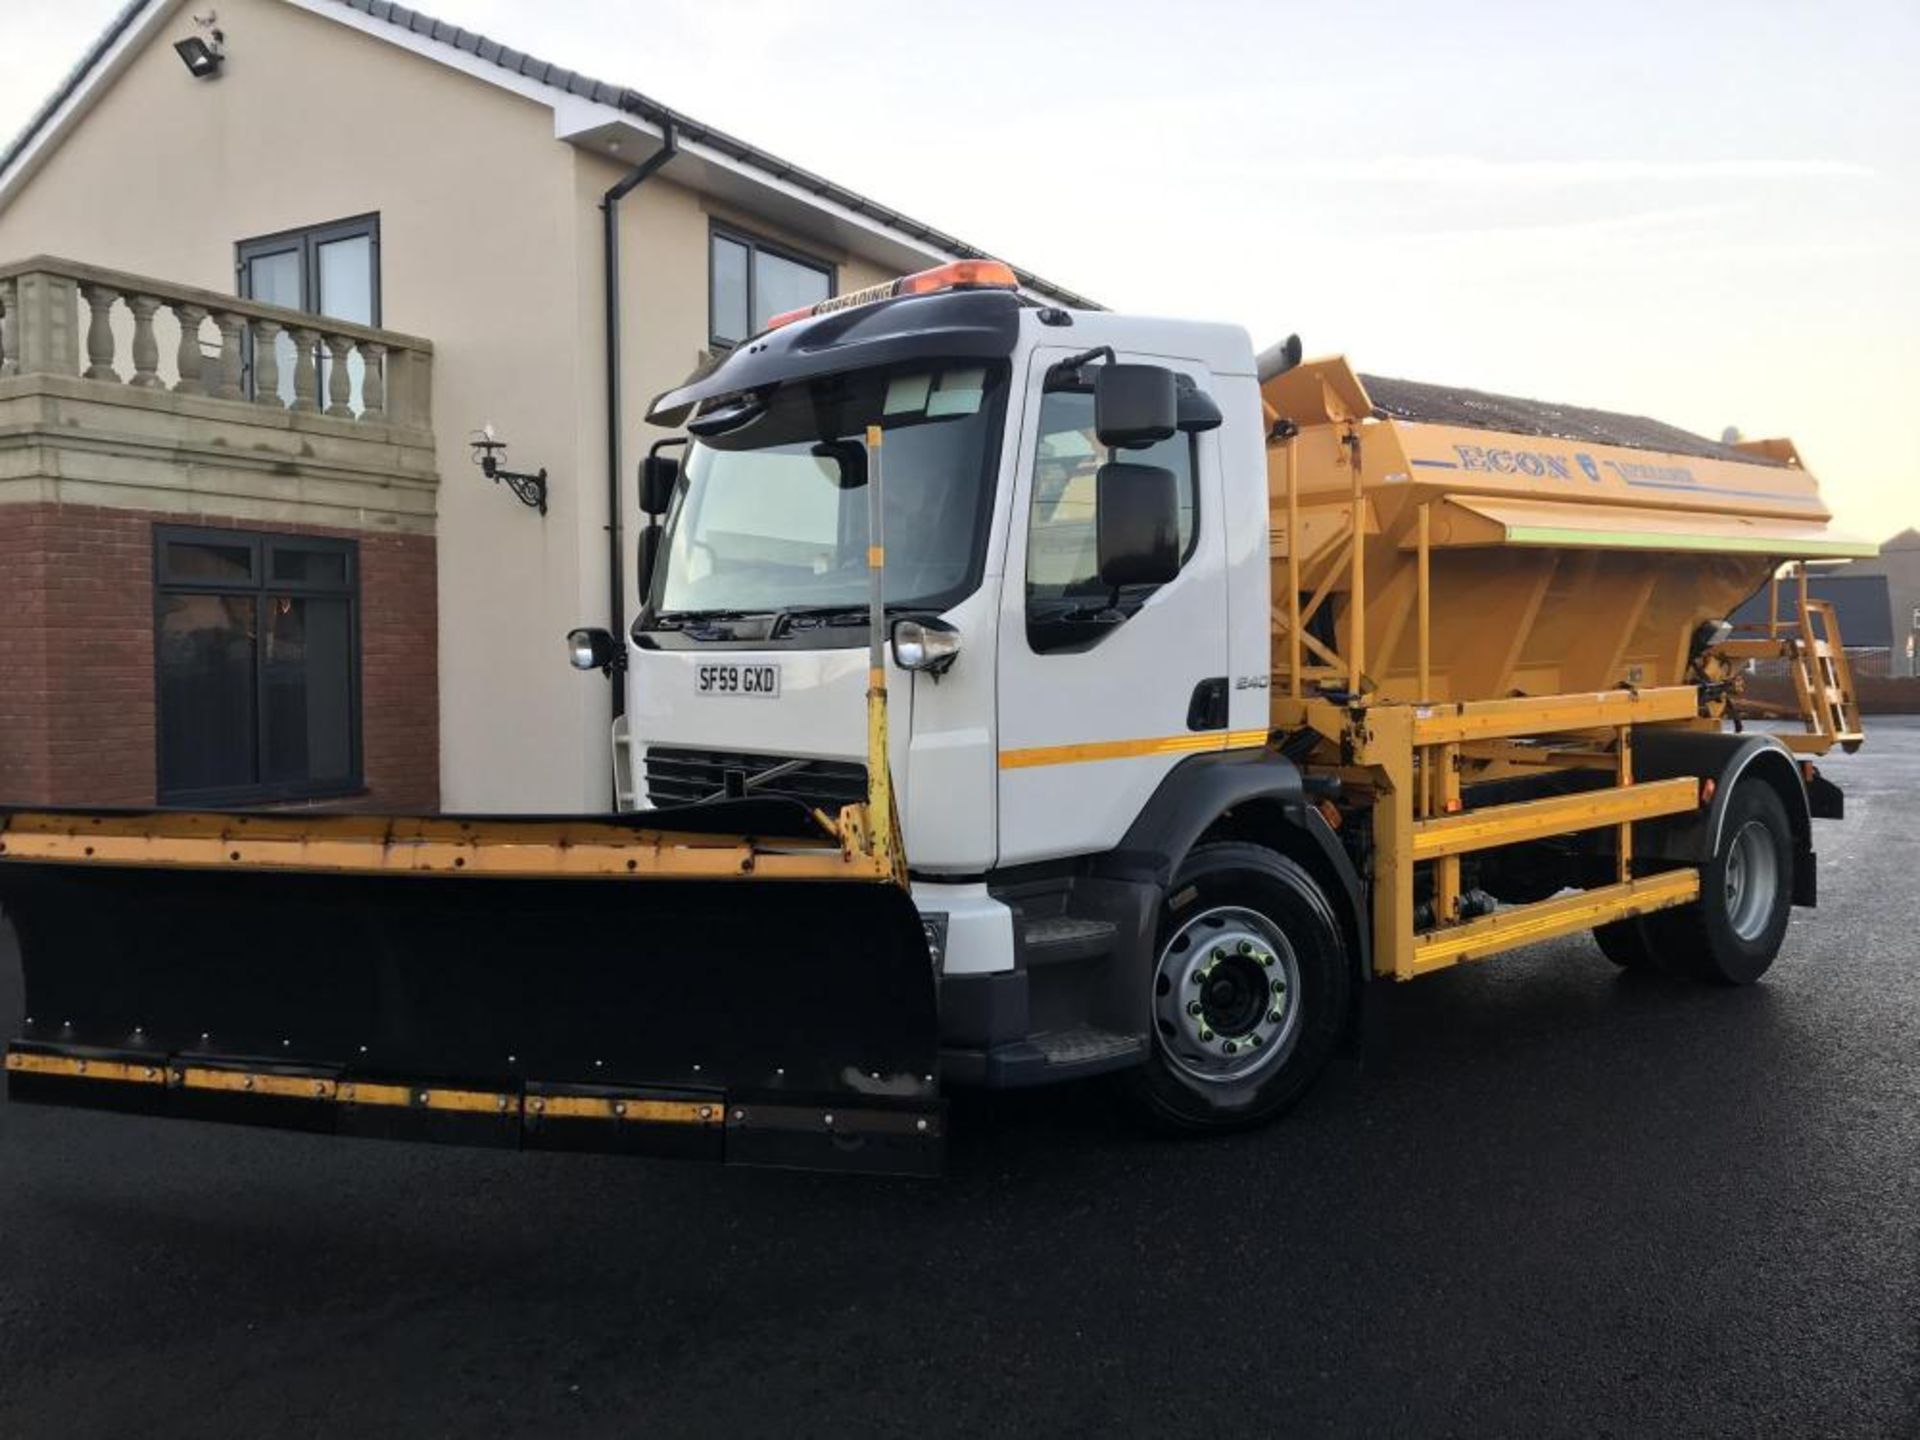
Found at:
[9, 328]
[409, 389]
[266, 363]
[46, 332]
[373, 392]
[306, 376]
[189, 358]
[339, 378]
[226, 383]
[100, 300]
[146, 349]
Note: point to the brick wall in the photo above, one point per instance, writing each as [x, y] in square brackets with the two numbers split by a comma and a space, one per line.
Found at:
[399, 672]
[25, 697]
[76, 659]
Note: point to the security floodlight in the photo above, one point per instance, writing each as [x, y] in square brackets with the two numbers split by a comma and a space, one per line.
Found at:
[202, 58]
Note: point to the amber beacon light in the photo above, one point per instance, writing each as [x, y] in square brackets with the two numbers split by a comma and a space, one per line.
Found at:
[955, 275]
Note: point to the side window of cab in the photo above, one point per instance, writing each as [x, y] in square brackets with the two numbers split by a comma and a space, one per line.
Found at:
[1068, 606]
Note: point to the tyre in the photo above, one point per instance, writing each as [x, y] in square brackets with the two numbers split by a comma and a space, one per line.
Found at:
[1732, 932]
[1250, 992]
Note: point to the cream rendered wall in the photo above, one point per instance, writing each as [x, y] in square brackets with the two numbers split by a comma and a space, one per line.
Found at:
[313, 122]
[490, 247]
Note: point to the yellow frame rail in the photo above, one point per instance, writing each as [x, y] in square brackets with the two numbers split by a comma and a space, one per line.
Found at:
[1552, 714]
[381, 845]
[1558, 815]
[1548, 919]
[1410, 758]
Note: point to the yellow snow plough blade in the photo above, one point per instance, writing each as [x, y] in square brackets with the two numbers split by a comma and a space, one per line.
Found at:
[728, 980]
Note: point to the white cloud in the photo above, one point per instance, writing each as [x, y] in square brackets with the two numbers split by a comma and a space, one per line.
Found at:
[1658, 225]
[1480, 170]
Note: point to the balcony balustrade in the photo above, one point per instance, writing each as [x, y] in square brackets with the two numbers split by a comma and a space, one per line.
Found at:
[137, 393]
[220, 346]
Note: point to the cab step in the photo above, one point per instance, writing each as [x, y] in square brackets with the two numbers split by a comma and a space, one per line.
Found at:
[1061, 1055]
[1058, 939]
[1089, 1047]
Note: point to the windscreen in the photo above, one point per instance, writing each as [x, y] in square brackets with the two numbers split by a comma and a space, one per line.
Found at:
[772, 514]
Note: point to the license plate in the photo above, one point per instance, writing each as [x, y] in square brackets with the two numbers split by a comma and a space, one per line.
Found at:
[761, 680]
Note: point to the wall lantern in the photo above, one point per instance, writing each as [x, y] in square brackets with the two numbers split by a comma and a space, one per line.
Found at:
[487, 453]
[203, 54]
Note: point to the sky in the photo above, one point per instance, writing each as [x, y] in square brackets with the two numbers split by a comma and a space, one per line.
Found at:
[1708, 213]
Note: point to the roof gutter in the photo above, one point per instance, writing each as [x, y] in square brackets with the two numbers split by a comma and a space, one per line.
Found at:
[610, 218]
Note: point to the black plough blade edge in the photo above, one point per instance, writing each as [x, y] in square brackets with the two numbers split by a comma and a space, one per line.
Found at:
[563, 1014]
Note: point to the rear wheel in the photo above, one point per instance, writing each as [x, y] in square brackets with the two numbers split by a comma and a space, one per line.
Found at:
[1731, 934]
[1250, 992]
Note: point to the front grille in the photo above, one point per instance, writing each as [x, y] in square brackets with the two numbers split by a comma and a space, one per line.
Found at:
[681, 777]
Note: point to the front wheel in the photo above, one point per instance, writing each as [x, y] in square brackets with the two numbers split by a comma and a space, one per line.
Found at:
[1250, 990]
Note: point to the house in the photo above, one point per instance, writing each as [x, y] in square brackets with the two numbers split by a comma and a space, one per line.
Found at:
[1876, 601]
[265, 278]
[1860, 608]
[1899, 564]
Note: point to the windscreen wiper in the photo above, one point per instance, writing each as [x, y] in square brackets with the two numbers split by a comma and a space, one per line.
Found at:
[850, 614]
[713, 624]
[779, 621]
[698, 617]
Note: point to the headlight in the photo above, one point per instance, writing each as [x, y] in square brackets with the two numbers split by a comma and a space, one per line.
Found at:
[589, 649]
[929, 645]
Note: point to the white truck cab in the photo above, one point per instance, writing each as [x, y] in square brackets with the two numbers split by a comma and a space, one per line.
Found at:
[1036, 707]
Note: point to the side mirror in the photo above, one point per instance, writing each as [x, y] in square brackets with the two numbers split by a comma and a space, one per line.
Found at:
[849, 458]
[1136, 524]
[591, 648]
[1134, 405]
[658, 476]
[1198, 410]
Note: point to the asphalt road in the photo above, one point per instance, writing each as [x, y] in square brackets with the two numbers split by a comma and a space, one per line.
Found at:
[1570, 1202]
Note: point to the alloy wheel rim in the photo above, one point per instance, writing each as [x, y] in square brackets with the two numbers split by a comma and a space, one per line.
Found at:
[1751, 876]
[1226, 996]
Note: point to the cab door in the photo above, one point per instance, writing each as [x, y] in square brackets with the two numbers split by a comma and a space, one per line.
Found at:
[1101, 693]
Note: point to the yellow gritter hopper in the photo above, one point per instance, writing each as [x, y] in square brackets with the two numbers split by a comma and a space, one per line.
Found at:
[1566, 549]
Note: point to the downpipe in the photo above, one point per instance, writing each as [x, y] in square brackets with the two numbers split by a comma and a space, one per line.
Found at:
[610, 224]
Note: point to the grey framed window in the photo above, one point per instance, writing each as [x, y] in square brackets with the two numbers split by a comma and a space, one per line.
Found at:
[751, 281]
[331, 269]
[256, 666]
[1064, 590]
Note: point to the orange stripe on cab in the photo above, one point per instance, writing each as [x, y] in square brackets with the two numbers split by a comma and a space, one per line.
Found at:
[1131, 749]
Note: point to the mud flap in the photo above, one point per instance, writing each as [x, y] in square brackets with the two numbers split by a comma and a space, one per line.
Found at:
[783, 1022]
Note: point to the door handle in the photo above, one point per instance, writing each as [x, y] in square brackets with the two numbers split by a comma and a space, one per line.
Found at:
[1207, 710]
